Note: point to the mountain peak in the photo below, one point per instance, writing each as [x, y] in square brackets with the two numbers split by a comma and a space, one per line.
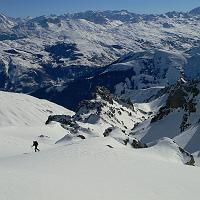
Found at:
[195, 11]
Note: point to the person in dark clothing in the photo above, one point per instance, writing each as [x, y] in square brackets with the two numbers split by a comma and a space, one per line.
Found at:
[35, 144]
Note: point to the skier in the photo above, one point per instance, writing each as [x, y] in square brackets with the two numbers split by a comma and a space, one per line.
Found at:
[35, 144]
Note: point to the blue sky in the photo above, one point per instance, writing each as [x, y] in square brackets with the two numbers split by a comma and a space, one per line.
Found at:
[23, 8]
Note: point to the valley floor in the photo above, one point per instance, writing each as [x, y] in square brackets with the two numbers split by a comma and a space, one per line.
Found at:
[90, 169]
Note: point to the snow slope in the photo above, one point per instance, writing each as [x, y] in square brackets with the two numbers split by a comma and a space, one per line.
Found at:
[92, 170]
[20, 109]
[22, 120]
[97, 167]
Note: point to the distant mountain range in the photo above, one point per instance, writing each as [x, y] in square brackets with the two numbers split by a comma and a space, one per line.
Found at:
[59, 52]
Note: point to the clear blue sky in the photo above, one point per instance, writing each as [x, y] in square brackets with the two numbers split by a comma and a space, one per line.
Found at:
[22, 8]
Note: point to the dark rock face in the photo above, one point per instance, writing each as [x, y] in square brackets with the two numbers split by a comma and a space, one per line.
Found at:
[63, 119]
[66, 121]
[167, 25]
[81, 136]
[107, 132]
[137, 144]
[191, 161]
[102, 98]
[11, 36]
[110, 146]
[4, 79]
[181, 95]
[176, 98]
[12, 51]
[104, 93]
[87, 106]
[184, 125]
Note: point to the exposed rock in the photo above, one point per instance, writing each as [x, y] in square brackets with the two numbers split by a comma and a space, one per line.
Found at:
[104, 93]
[66, 122]
[137, 144]
[181, 95]
[191, 161]
[118, 134]
[81, 136]
[63, 119]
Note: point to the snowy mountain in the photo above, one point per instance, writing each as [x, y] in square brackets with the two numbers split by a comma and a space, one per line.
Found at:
[54, 50]
[137, 57]
[143, 72]
[133, 82]
[177, 117]
[107, 116]
[87, 147]
[103, 116]
[59, 170]
[195, 11]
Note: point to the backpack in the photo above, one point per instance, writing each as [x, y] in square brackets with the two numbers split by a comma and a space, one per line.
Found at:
[35, 143]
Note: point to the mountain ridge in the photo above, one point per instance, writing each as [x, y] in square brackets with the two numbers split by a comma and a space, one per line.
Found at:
[117, 13]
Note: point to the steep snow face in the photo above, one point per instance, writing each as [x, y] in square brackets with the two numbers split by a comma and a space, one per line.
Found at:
[177, 118]
[24, 110]
[91, 170]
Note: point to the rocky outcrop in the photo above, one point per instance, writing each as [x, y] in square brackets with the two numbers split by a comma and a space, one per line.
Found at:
[180, 96]
[66, 122]
[119, 135]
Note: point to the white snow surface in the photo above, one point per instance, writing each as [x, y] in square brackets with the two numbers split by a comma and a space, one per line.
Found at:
[96, 168]
[22, 120]
[20, 109]
[92, 170]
